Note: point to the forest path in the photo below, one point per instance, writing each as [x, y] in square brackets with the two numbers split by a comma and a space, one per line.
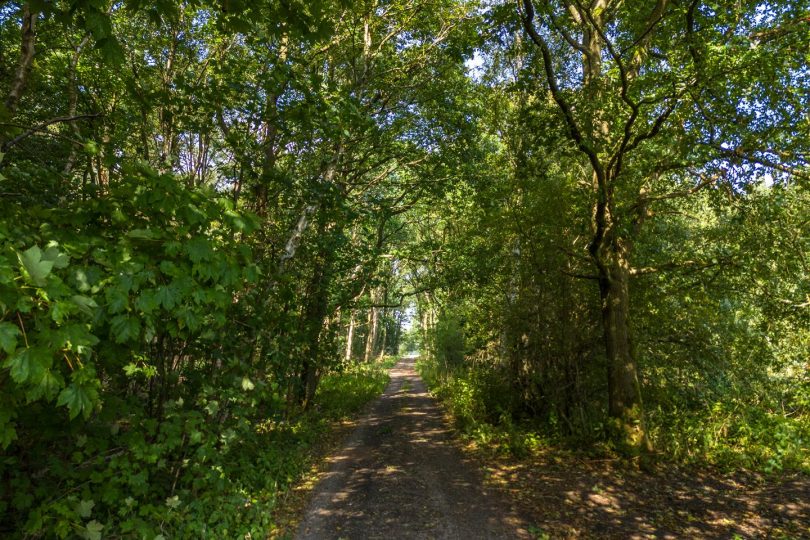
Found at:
[400, 476]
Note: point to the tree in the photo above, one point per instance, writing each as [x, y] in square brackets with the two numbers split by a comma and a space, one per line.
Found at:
[646, 77]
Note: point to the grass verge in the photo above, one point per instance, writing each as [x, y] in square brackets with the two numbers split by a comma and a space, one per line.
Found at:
[340, 398]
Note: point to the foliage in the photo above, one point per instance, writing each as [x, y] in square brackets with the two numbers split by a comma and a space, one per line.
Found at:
[195, 474]
[712, 242]
[217, 216]
[197, 200]
[91, 306]
[479, 402]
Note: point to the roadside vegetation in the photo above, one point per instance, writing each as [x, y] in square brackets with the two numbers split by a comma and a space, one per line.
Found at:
[217, 217]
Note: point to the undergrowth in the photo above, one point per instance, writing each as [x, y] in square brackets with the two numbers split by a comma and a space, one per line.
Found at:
[184, 477]
[480, 409]
[730, 435]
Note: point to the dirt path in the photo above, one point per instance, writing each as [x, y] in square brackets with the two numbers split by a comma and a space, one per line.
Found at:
[399, 476]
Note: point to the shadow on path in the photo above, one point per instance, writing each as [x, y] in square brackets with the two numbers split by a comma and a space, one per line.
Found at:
[399, 476]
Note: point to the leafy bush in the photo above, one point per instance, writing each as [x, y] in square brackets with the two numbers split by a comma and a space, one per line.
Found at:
[481, 406]
[132, 406]
[147, 271]
[729, 434]
[735, 434]
[448, 342]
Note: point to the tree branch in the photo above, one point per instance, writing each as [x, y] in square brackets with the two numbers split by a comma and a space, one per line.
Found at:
[655, 17]
[765, 36]
[567, 37]
[551, 78]
[41, 127]
[580, 276]
[747, 155]
[691, 265]
[705, 181]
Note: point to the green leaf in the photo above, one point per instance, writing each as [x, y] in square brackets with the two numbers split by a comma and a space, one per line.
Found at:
[29, 364]
[167, 296]
[147, 301]
[237, 221]
[247, 384]
[172, 247]
[7, 272]
[212, 407]
[60, 260]
[117, 299]
[37, 269]
[93, 530]
[85, 304]
[76, 337]
[199, 249]
[112, 51]
[76, 399]
[8, 337]
[7, 431]
[143, 234]
[98, 23]
[125, 328]
[59, 310]
[19, 366]
[91, 148]
[188, 318]
[170, 269]
[85, 508]
[49, 385]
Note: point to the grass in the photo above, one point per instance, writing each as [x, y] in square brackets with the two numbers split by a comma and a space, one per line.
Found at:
[342, 394]
[340, 397]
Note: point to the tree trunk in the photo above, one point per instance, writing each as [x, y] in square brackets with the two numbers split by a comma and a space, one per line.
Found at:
[371, 337]
[315, 313]
[397, 332]
[271, 137]
[29, 21]
[350, 338]
[383, 338]
[624, 391]
[310, 377]
[610, 253]
[73, 99]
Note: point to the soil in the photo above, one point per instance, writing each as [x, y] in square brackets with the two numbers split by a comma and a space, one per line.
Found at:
[403, 474]
[400, 475]
[569, 497]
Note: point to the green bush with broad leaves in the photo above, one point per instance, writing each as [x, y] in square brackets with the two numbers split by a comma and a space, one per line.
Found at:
[105, 307]
[149, 265]
[135, 404]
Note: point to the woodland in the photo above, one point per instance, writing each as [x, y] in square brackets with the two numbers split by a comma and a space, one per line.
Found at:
[591, 218]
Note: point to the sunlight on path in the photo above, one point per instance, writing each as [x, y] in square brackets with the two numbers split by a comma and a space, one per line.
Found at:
[399, 476]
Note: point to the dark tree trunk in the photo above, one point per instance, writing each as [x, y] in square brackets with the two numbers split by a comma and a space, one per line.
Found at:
[314, 317]
[624, 391]
[373, 327]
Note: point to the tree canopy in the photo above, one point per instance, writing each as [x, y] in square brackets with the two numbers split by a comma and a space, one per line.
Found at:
[591, 217]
